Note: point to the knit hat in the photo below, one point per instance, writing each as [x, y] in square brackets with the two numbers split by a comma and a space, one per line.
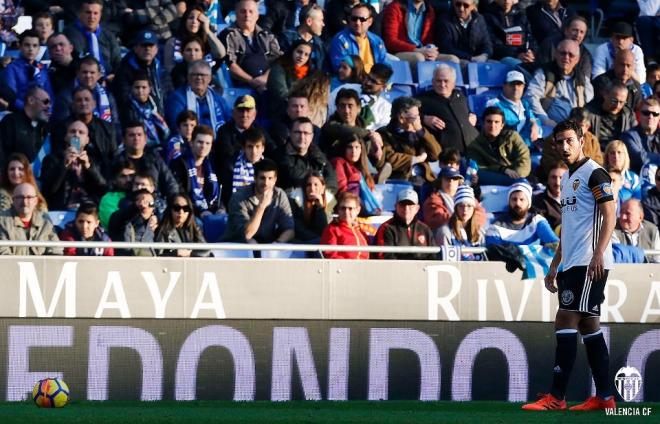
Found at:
[464, 194]
[524, 187]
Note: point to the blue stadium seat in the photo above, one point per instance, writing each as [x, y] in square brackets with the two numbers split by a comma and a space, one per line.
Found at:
[219, 253]
[387, 192]
[394, 94]
[61, 218]
[487, 74]
[477, 102]
[231, 94]
[495, 198]
[425, 74]
[224, 77]
[214, 227]
[402, 78]
[3, 47]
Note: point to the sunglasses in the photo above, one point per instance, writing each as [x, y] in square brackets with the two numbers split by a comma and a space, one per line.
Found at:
[462, 5]
[359, 18]
[649, 113]
[179, 208]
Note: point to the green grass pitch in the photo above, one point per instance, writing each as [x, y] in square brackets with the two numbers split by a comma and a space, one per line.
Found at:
[116, 412]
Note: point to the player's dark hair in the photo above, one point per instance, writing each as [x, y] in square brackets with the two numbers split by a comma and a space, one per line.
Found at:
[567, 125]
[265, 165]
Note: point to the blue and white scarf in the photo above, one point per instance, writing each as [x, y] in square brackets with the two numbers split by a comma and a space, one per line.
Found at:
[39, 159]
[103, 110]
[243, 172]
[197, 191]
[192, 104]
[157, 129]
[92, 44]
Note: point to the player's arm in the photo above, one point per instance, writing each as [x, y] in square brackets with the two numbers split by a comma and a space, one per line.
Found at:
[551, 276]
[600, 184]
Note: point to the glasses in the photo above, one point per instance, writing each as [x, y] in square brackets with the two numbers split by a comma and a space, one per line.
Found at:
[374, 80]
[359, 18]
[649, 113]
[24, 198]
[179, 208]
[44, 102]
[462, 5]
[565, 53]
[200, 75]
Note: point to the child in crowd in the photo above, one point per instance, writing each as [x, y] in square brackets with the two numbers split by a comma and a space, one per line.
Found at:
[180, 142]
[252, 151]
[86, 227]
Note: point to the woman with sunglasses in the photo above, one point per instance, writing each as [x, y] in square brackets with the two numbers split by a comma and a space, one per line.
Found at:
[178, 226]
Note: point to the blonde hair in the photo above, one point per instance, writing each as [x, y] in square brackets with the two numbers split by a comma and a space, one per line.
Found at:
[614, 144]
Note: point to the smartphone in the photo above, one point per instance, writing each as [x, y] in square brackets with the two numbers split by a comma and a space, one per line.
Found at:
[75, 143]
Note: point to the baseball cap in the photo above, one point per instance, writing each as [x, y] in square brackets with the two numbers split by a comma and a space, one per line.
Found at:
[146, 37]
[622, 28]
[245, 102]
[451, 173]
[515, 76]
[407, 195]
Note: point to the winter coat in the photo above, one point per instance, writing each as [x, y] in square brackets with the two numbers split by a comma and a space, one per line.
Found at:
[464, 43]
[642, 148]
[508, 151]
[345, 44]
[41, 229]
[108, 45]
[436, 213]
[348, 176]
[398, 151]
[180, 236]
[294, 168]
[70, 233]
[339, 233]
[18, 77]
[542, 23]
[395, 29]
[395, 232]
[508, 43]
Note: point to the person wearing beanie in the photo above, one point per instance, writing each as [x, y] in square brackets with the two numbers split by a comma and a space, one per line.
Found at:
[519, 225]
[464, 227]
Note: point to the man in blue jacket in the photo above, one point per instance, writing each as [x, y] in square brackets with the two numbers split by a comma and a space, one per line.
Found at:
[23, 73]
[464, 33]
[643, 141]
[356, 39]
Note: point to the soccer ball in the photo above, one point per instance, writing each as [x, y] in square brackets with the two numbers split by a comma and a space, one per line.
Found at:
[50, 393]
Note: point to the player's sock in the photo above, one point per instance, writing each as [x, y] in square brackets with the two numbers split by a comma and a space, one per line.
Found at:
[599, 361]
[564, 360]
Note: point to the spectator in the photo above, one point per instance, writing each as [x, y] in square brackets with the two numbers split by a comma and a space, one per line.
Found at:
[141, 107]
[193, 24]
[546, 18]
[290, 67]
[519, 225]
[180, 142]
[299, 157]
[575, 29]
[142, 59]
[88, 37]
[309, 30]
[356, 39]
[409, 30]
[439, 206]
[646, 25]
[622, 39]
[282, 15]
[611, 117]
[154, 15]
[121, 185]
[254, 145]
[352, 169]
[445, 111]
[126, 208]
[22, 73]
[351, 71]
[558, 86]
[345, 229]
[17, 170]
[297, 106]
[467, 167]
[195, 174]
[62, 74]
[178, 226]
[71, 177]
[643, 141]
[250, 49]
[375, 109]
[140, 227]
[591, 146]
[86, 227]
[501, 153]
[407, 146]
[43, 23]
[652, 76]
[464, 228]
[135, 142]
[192, 50]
[633, 230]
[260, 212]
[621, 72]
[340, 10]
[463, 34]
[89, 76]
[316, 87]
[311, 206]
[26, 131]
[404, 229]
[617, 159]
[197, 96]
[518, 114]
[651, 202]
[548, 203]
[24, 222]
[510, 33]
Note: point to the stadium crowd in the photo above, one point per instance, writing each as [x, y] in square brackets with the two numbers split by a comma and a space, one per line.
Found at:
[287, 121]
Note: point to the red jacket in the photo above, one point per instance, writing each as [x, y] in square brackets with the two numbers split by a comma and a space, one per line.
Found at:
[348, 176]
[395, 31]
[69, 233]
[436, 214]
[341, 234]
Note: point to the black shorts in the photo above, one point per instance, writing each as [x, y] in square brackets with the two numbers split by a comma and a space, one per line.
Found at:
[578, 293]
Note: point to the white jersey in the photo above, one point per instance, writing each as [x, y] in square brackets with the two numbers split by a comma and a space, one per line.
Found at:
[581, 220]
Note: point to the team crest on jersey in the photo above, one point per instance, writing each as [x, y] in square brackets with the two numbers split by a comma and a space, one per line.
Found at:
[421, 238]
[566, 297]
[576, 184]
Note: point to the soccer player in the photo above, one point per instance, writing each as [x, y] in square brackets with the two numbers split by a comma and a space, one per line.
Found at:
[585, 252]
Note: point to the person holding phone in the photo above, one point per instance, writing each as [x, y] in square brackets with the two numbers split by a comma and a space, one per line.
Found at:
[70, 177]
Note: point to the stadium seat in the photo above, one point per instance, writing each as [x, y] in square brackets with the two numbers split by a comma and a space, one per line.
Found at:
[487, 74]
[220, 253]
[477, 102]
[387, 192]
[402, 78]
[3, 47]
[395, 93]
[425, 74]
[224, 77]
[61, 218]
[214, 227]
[495, 198]
[231, 94]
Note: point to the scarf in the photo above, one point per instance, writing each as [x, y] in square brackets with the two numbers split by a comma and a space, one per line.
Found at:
[157, 129]
[197, 192]
[192, 104]
[366, 113]
[155, 82]
[103, 110]
[93, 46]
[448, 200]
[300, 71]
[243, 174]
[41, 154]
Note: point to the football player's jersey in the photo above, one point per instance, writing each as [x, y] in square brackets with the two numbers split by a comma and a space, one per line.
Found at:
[581, 220]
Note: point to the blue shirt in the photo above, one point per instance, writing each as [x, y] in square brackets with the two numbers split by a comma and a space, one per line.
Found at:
[415, 23]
